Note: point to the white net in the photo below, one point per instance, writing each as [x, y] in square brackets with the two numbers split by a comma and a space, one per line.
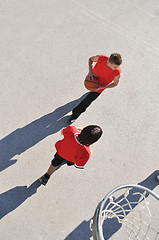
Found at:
[130, 209]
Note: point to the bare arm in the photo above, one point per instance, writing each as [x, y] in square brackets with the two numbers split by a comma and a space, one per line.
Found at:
[114, 83]
[91, 60]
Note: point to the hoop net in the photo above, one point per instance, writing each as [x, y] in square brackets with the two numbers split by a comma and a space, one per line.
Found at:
[134, 209]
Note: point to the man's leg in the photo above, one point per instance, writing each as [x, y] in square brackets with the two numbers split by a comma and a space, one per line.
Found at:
[51, 169]
[57, 161]
[76, 112]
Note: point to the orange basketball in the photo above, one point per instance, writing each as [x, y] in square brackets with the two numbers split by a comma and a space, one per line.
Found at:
[91, 84]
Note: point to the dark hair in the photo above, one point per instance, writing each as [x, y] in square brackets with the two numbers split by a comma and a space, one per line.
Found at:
[115, 58]
[90, 134]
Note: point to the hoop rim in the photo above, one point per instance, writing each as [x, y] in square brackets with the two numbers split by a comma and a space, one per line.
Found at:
[99, 209]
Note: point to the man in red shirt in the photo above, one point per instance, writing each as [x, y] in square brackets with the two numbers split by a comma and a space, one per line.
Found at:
[108, 71]
[73, 148]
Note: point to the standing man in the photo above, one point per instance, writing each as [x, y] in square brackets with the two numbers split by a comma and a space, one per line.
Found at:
[108, 71]
[73, 148]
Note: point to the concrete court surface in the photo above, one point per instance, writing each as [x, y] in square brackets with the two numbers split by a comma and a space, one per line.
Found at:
[44, 51]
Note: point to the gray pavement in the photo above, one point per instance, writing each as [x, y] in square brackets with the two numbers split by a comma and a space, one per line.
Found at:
[44, 51]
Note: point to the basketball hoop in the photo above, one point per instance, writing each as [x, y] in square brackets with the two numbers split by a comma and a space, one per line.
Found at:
[127, 207]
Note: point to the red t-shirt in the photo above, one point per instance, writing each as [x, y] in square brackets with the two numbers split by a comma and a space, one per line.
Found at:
[70, 149]
[104, 73]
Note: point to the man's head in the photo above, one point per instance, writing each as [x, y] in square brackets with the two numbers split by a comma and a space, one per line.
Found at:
[90, 134]
[114, 61]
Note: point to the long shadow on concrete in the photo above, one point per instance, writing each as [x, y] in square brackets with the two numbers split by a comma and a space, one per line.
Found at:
[83, 231]
[24, 138]
[13, 198]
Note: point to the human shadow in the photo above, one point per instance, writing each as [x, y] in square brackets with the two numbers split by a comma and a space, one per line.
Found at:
[24, 138]
[83, 231]
[13, 198]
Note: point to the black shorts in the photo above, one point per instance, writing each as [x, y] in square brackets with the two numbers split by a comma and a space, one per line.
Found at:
[57, 161]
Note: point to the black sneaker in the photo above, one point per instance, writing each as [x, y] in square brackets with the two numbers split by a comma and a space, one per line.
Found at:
[43, 180]
[72, 119]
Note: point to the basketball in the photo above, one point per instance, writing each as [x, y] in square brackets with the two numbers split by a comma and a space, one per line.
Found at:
[91, 84]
